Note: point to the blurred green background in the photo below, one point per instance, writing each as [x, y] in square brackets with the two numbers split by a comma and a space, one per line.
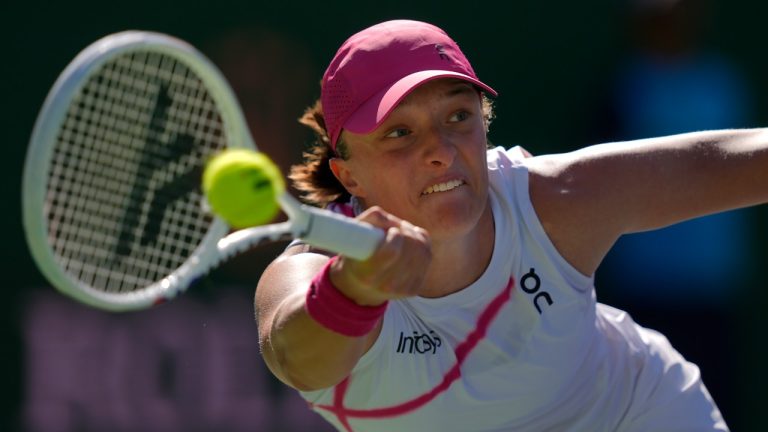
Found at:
[556, 66]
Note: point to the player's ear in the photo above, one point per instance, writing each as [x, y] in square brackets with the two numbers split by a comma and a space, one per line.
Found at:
[346, 177]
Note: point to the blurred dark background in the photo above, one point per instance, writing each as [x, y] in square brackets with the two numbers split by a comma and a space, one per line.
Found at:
[568, 74]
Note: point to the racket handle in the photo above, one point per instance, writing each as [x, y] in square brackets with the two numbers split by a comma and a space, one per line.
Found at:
[340, 234]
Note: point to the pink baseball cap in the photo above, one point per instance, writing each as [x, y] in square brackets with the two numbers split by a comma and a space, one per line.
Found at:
[377, 67]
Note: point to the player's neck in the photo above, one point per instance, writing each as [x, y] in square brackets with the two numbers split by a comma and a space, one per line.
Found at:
[458, 262]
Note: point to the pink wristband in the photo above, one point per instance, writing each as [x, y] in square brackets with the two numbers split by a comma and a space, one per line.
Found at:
[337, 312]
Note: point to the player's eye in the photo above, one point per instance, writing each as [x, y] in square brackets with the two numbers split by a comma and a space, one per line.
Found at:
[398, 133]
[459, 116]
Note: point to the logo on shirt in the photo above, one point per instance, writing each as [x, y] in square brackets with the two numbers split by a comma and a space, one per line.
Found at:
[531, 283]
[419, 343]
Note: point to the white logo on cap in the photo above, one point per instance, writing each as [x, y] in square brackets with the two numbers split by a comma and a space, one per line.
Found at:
[441, 51]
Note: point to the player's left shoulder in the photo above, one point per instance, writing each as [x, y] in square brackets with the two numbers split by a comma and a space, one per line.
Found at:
[570, 210]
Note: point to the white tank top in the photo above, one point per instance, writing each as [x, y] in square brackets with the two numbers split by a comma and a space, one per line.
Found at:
[524, 348]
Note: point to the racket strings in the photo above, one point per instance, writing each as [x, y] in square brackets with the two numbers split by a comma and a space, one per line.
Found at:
[123, 190]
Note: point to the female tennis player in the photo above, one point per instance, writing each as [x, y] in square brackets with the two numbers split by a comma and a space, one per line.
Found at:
[478, 310]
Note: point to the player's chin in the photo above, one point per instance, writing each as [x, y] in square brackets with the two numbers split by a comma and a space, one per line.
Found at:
[451, 218]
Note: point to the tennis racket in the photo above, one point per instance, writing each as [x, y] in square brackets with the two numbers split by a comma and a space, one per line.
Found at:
[112, 199]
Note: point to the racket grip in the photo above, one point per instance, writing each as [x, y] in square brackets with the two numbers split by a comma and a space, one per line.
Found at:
[340, 234]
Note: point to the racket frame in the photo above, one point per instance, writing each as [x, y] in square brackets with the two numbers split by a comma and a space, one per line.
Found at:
[321, 228]
[40, 151]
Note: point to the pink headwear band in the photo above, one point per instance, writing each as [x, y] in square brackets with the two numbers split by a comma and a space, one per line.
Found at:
[377, 67]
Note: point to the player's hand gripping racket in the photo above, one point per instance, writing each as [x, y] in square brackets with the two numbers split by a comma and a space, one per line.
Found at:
[112, 181]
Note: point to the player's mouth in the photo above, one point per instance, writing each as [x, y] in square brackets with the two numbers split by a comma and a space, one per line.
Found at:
[443, 187]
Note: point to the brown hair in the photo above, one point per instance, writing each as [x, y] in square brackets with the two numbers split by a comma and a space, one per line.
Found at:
[314, 178]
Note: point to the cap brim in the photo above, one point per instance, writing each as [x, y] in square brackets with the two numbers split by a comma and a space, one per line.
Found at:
[376, 109]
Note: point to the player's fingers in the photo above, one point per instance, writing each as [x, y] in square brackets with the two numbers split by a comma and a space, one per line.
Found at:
[395, 228]
[397, 267]
[403, 260]
[379, 218]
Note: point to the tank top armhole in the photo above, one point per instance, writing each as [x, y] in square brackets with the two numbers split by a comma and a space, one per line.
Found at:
[578, 280]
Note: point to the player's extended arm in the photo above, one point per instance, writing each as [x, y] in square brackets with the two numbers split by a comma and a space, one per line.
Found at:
[298, 349]
[588, 198]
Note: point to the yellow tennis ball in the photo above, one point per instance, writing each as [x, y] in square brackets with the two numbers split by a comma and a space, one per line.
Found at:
[242, 187]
